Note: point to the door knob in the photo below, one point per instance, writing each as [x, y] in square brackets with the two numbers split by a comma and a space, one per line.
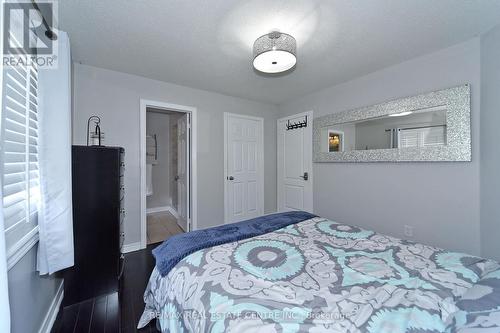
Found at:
[230, 178]
[305, 176]
[176, 178]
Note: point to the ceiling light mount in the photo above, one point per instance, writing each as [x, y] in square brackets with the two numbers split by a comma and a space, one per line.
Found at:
[275, 52]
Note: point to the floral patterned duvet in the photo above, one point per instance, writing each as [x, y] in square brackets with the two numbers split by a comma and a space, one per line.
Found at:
[322, 276]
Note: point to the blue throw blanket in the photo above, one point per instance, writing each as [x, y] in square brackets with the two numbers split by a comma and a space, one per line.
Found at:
[177, 247]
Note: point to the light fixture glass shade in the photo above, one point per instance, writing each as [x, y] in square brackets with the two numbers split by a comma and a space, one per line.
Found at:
[274, 52]
[401, 114]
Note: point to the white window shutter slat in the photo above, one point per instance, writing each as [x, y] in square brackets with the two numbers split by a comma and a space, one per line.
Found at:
[422, 137]
[19, 152]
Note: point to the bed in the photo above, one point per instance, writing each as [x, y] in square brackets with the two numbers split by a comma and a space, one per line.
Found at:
[315, 275]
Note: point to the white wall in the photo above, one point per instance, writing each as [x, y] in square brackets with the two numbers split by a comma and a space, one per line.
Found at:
[441, 200]
[490, 151]
[30, 295]
[159, 124]
[115, 98]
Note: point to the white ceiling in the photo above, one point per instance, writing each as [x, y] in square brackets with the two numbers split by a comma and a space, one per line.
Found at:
[207, 44]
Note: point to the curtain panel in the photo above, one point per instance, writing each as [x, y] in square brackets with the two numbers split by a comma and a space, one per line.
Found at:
[55, 219]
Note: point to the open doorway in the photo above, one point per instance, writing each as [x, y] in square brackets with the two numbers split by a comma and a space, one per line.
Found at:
[167, 169]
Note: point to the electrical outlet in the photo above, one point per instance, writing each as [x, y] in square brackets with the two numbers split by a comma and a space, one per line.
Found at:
[408, 231]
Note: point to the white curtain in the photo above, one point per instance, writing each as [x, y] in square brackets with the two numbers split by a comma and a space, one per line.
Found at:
[55, 221]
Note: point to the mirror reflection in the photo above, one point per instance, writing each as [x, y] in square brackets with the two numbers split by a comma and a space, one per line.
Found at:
[408, 129]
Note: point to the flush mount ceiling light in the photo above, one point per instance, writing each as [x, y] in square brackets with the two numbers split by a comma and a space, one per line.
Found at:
[274, 53]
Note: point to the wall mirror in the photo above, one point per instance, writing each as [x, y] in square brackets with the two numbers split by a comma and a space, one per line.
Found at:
[429, 127]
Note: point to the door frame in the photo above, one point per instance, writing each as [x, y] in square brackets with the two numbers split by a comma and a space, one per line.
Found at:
[261, 164]
[192, 188]
[310, 115]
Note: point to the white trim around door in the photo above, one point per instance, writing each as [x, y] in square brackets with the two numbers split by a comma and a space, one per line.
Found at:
[192, 162]
[259, 164]
[295, 170]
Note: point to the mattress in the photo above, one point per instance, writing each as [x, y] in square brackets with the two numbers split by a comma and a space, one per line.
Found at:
[322, 276]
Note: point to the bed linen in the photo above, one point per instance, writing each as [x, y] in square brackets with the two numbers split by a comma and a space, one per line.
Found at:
[169, 253]
[322, 276]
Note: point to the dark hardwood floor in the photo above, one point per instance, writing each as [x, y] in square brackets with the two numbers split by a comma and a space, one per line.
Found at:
[113, 313]
[138, 268]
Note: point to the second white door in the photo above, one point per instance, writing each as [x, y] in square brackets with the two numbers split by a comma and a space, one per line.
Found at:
[244, 158]
[295, 187]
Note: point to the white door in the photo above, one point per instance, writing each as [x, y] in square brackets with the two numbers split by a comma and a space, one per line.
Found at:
[244, 158]
[182, 174]
[295, 183]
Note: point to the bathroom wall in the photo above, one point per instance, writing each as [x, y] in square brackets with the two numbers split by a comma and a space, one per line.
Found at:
[159, 123]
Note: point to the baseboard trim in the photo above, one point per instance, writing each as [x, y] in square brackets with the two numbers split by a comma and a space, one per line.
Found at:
[132, 247]
[51, 315]
[157, 209]
[169, 209]
[176, 215]
[173, 212]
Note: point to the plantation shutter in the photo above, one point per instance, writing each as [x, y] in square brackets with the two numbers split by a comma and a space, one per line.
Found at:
[19, 154]
[422, 137]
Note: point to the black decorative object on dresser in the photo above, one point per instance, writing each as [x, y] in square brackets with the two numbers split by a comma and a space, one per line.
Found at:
[98, 193]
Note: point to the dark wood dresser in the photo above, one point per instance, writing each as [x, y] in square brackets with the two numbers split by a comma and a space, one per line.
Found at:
[98, 212]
